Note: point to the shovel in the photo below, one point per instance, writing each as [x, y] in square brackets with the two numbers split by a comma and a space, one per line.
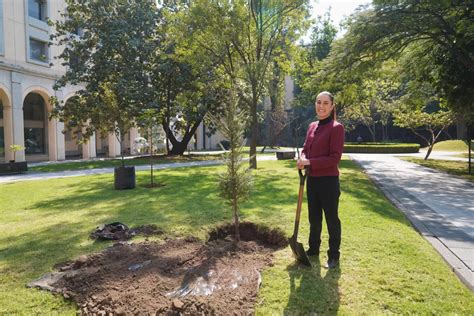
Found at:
[297, 247]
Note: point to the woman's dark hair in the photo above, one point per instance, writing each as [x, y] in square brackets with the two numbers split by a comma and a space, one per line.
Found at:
[329, 94]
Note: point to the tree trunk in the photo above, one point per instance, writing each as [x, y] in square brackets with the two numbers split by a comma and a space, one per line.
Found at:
[384, 134]
[119, 138]
[236, 219]
[469, 145]
[151, 156]
[372, 132]
[431, 143]
[253, 142]
[166, 133]
[179, 147]
[429, 151]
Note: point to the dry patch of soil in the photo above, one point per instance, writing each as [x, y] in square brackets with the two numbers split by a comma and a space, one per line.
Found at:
[177, 276]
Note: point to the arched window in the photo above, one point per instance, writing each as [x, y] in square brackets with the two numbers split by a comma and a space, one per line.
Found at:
[34, 114]
[2, 134]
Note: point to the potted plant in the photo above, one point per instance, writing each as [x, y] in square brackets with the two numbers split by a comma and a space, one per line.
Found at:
[14, 148]
[12, 166]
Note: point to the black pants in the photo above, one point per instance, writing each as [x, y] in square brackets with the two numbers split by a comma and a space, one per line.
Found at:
[323, 194]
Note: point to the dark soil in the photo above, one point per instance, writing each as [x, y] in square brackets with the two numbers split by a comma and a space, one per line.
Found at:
[177, 276]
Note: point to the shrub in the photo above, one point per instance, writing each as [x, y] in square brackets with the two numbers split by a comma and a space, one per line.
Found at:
[381, 148]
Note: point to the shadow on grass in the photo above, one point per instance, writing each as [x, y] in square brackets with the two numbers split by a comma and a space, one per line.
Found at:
[37, 250]
[188, 203]
[310, 292]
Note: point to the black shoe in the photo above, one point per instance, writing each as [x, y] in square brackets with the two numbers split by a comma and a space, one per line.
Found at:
[332, 263]
[311, 252]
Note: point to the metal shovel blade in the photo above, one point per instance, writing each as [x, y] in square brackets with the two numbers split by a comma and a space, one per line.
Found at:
[298, 251]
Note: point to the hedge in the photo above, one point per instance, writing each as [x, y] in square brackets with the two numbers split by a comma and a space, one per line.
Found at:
[381, 148]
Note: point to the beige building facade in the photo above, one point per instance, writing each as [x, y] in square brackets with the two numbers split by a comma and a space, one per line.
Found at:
[28, 72]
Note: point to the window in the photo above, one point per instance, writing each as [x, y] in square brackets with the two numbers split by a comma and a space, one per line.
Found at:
[34, 124]
[2, 136]
[37, 9]
[38, 50]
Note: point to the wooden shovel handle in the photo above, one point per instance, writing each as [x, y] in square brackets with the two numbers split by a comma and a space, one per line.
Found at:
[300, 200]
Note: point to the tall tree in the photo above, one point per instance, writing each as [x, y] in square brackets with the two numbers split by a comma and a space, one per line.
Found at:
[441, 31]
[243, 35]
[109, 60]
[308, 61]
[188, 79]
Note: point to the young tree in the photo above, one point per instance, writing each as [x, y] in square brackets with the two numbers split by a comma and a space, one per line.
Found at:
[236, 183]
[149, 121]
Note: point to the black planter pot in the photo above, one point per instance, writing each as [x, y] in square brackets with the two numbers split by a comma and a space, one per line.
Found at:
[13, 167]
[285, 154]
[124, 177]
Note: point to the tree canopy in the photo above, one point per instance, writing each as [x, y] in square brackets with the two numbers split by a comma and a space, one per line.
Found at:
[436, 35]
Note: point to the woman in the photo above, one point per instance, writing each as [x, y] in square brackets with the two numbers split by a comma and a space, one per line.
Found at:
[322, 152]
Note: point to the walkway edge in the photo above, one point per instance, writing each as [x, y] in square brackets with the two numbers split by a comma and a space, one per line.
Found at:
[456, 265]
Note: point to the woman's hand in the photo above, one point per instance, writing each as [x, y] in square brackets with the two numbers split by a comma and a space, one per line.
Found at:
[302, 162]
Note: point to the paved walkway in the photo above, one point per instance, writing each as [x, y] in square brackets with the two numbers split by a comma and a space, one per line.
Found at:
[440, 207]
[76, 173]
[442, 155]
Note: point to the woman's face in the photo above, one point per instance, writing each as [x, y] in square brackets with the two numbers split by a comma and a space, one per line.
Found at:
[324, 106]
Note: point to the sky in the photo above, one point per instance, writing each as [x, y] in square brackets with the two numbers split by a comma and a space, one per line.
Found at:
[339, 9]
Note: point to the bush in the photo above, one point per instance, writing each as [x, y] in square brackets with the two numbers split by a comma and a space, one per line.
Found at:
[381, 148]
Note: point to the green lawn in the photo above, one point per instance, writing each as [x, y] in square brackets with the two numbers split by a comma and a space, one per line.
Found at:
[452, 145]
[386, 267]
[109, 163]
[458, 168]
[466, 155]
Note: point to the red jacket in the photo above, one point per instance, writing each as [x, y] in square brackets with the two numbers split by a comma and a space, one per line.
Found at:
[323, 147]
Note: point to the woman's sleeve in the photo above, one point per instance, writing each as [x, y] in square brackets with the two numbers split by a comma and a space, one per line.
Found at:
[306, 145]
[336, 146]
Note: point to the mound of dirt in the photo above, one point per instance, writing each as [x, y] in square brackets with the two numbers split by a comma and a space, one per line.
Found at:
[178, 276]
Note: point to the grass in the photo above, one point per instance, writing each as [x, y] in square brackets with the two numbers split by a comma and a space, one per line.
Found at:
[110, 163]
[458, 168]
[452, 145]
[138, 161]
[386, 266]
[464, 155]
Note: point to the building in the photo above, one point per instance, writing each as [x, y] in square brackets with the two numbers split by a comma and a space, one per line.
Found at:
[27, 74]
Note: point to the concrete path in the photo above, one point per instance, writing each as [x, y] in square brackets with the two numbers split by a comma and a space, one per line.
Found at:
[441, 155]
[439, 206]
[76, 173]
